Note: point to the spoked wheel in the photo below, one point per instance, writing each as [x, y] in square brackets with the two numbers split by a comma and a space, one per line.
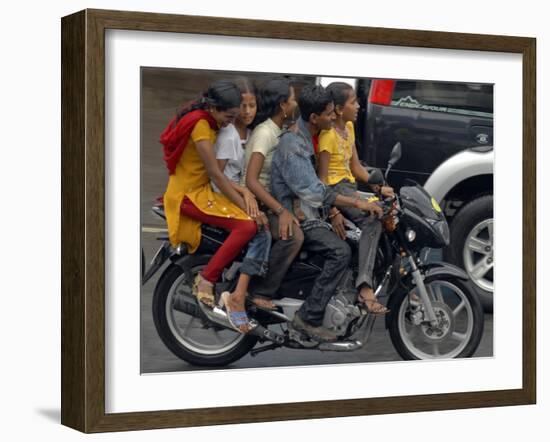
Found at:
[185, 330]
[459, 321]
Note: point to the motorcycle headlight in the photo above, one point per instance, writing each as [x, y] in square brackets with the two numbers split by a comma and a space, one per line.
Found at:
[411, 235]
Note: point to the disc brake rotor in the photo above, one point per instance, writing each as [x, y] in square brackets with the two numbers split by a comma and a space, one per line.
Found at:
[445, 324]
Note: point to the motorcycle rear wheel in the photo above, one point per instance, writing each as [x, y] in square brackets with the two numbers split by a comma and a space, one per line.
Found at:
[191, 337]
[460, 329]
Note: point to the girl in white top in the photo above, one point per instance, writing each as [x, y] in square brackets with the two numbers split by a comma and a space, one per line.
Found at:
[230, 152]
[277, 105]
[229, 148]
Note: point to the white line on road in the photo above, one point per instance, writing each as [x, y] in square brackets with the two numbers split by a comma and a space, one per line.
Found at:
[151, 229]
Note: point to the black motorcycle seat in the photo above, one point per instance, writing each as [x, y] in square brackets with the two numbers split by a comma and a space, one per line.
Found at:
[158, 209]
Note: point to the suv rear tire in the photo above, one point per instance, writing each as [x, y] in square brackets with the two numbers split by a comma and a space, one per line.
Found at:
[471, 245]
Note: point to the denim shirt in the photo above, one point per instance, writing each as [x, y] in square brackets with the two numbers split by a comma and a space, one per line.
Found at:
[293, 176]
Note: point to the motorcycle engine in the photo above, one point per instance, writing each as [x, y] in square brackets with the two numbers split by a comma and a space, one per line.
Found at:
[339, 313]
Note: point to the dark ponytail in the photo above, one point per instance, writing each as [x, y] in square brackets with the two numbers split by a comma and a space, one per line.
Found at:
[272, 94]
[221, 94]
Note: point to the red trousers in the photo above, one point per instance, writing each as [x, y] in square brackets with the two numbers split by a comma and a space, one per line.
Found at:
[240, 233]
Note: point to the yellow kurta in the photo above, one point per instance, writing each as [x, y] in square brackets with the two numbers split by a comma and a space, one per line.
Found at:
[192, 181]
[341, 151]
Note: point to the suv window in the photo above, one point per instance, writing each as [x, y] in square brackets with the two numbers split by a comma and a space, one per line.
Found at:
[472, 99]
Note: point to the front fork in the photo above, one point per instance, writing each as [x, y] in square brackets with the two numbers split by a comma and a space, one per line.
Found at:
[419, 281]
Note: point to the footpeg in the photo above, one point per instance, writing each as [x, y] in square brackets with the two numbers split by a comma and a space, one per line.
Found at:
[267, 334]
[300, 338]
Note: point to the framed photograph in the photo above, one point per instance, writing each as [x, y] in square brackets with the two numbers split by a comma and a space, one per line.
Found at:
[453, 324]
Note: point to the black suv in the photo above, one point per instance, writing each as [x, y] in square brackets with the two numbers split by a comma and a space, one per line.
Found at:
[432, 120]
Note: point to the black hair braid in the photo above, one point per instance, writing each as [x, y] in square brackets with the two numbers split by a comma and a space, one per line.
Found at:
[221, 94]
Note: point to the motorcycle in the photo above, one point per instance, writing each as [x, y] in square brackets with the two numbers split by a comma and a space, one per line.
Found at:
[434, 311]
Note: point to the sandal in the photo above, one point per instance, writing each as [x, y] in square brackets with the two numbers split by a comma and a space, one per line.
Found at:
[206, 298]
[262, 303]
[414, 300]
[373, 307]
[238, 320]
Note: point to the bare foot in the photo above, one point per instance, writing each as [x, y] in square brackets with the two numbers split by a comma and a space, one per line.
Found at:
[263, 303]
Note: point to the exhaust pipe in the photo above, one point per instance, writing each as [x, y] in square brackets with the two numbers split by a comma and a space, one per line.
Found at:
[269, 335]
[188, 305]
[219, 317]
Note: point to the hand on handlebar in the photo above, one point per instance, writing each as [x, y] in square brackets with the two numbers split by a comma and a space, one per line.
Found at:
[371, 207]
[387, 192]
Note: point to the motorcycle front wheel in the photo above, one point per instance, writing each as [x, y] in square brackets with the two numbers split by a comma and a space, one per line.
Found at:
[187, 333]
[459, 315]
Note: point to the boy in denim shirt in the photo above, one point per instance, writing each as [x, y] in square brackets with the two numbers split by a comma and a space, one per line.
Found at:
[293, 176]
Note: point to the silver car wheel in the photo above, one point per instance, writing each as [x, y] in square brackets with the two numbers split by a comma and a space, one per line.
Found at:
[478, 255]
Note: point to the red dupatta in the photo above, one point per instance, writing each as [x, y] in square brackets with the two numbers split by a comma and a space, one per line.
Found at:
[176, 136]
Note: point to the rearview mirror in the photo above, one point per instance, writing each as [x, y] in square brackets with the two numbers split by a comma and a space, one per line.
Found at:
[395, 155]
[376, 177]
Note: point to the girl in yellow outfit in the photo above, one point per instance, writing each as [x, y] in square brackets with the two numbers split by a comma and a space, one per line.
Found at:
[339, 145]
[190, 200]
[339, 167]
[338, 159]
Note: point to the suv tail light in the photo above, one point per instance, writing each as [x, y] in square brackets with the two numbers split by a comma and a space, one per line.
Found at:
[381, 92]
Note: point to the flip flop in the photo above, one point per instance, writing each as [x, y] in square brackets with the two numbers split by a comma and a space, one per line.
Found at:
[414, 300]
[236, 319]
[205, 298]
[373, 307]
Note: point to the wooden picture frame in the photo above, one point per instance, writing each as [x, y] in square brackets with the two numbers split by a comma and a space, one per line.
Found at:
[83, 219]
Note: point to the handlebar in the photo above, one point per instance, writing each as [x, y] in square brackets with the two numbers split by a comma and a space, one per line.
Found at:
[389, 205]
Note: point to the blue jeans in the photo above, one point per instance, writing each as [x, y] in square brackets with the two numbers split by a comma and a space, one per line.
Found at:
[257, 256]
[281, 256]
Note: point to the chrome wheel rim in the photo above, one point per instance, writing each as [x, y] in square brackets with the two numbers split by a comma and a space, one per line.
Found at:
[455, 323]
[190, 331]
[478, 255]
